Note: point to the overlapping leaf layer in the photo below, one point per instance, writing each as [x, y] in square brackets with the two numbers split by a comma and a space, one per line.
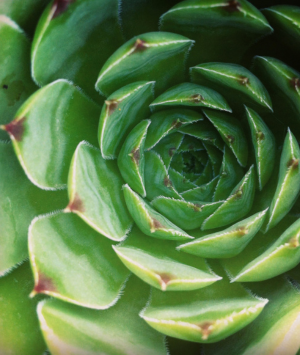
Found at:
[152, 178]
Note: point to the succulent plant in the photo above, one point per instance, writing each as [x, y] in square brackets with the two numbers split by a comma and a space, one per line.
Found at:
[149, 189]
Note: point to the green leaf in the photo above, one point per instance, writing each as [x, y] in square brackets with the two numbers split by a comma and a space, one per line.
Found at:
[264, 145]
[154, 56]
[232, 133]
[215, 157]
[47, 129]
[275, 331]
[95, 193]
[222, 30]
[18, 315]
[131, 160]
[228, 242]
[16, 84]
[63, 251]
[204, 192]
[75, 31]
[236, 83]
[204, 316]
[189, 94]
[237, 205]
[116, 331]
[157, 180]
[168, 147]
[283, 84]
[25, 12]
[186, 215]
[167, 122]
[180, 182]
[20, 202]
[123, 110]
[230, 174]
[280, 257]
[160, 265]
[206, 176]
[288, 186]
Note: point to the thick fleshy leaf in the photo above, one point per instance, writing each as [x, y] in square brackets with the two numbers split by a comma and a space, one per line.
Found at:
[288, 186]
[47, 129]
[222, 30]
[16, 84]
[168, 147]
[186, 215]
[206, 176]
[231, 131]
[76, 33]
[159, 264]
[237, 205]
[201, 193]
[18, 315]
[131, 160]
[230, 174]
[205, 316]
[123, 110]
[264, 145]
[20, 202]
[180, 182]
[236, 83]
[95, 193]
[283, 84]
[189, 94]
[63, 251]
[275, 331]
[70, 329]
[155, 56]
[215, 157]
[169, 121]
[282, 256]
[228, 242]
[149, 221]
[157, 180]
[24, 12]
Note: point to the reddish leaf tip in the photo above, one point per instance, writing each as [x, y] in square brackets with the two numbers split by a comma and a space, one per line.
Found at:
[15, 128]
[75, 205]
[232, 6]
[139, 46]
[60, 6]
[43, 285]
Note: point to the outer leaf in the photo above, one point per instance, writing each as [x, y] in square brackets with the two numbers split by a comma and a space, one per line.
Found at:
[205, 316]
[149, 221]
[236, 25]
[237, 205]
[263, 141]
[155, 56]
[228, 242]
[20, 202]
[123, 110]
[189, 94]
[63, 251]
[160, 265]
[186, 215]
[236, 83]
[116, 331]
[95, 193]
[131, 160]
[275, 331]
[47, 129]
[73, 30]
[288, 186]
[18, 315]
[16, 84]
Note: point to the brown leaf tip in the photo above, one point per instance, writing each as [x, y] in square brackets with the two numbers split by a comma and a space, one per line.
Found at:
[196, 98]
[242, 231]
[44, 284]
[165, 279]
[167, 182]
[60, 6]
[176, 124]
[15, 128]
[111, 106]
[293, 163]
[294, 242]
[295, 83]
[230, 138]
[260, 135]
[243, 80]
[135, 155]
[206, 328]
[197, 207]
[139, 46]
[75, 205]
[232, 6]
[172, 151]
[155, 224]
